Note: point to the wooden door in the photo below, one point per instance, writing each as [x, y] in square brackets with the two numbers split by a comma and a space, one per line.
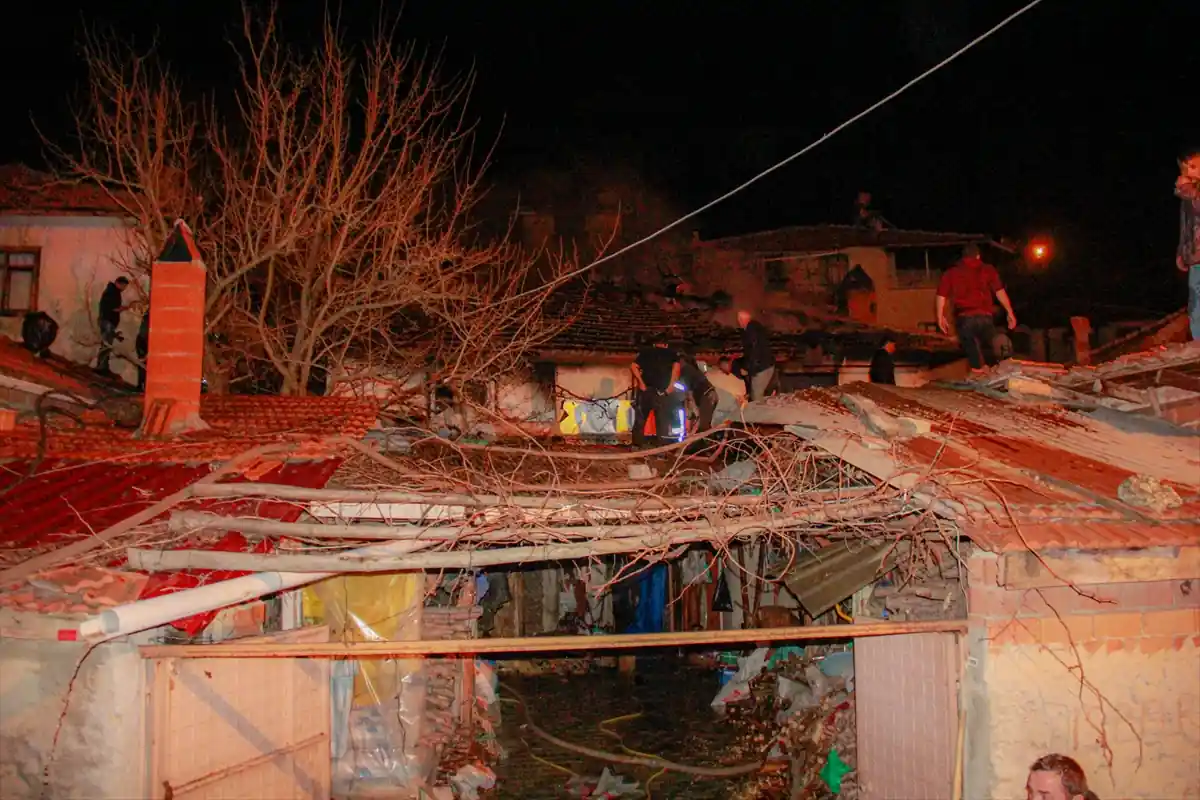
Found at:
[241, 727]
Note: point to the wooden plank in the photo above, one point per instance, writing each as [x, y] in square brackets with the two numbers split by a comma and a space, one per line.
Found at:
[546, 644]
[1025, 570]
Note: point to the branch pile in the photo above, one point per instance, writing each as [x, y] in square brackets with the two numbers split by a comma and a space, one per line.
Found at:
[448, 506]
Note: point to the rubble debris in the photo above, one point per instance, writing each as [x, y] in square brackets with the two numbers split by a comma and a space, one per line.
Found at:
[1145, 491]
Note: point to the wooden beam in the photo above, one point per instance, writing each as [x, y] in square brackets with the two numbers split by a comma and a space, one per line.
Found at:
[656, 538]
[547, 644]
[1026, 570]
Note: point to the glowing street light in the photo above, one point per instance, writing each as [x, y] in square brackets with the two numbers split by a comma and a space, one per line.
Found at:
[1038, 252]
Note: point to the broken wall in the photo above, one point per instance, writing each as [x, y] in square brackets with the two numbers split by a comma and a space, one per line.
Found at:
[1075, 670]
[100, 751]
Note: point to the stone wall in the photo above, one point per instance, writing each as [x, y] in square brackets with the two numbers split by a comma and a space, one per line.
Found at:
[1042, 659]
[100, 750]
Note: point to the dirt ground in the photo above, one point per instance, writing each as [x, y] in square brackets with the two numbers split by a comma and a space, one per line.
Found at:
[676, 723]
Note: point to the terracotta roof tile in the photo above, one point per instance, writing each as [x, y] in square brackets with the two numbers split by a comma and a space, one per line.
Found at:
[614, 322]
[64, 501]
[18, 362]
[237, 424]
[27, 191]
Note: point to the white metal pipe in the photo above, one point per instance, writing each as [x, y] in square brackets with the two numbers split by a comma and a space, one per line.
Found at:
[142, 615]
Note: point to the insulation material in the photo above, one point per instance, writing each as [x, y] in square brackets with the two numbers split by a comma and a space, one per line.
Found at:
[379, 704]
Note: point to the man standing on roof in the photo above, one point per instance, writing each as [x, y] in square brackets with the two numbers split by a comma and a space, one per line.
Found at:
[758, 359]
[109, 317]
[970, 286]
[654, 374]
[704, 394]
[883, 365]
[1187, 256]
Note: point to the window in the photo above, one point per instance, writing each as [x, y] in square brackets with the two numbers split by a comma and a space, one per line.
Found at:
[777, 274]
[18, 280]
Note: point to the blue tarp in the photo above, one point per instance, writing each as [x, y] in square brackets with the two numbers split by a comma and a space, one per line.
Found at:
[652, 601]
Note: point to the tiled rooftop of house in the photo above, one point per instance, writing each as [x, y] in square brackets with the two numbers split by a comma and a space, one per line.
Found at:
[48, 505]
[237, 423]
[27, 191]
[614, 322]
[825, 238]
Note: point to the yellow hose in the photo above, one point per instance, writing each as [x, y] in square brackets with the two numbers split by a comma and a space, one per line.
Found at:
[630, 750]
[842, 614]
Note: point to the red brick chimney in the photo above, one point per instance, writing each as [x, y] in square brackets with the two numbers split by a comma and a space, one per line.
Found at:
[174, 366]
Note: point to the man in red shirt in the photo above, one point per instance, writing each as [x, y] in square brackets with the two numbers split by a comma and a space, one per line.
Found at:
[969, 286]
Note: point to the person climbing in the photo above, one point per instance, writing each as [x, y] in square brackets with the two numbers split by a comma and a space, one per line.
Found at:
[109, 318]
[1187, 254]
[655, 372]
[883, 365]
[758, 359]
[969, 287]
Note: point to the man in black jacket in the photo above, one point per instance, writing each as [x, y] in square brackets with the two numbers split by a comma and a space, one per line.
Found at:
[704, 394]
[109, 317]
[883, 365]
[758, 359]
[654, 374]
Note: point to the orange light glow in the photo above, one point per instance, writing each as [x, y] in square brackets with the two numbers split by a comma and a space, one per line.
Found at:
[1039, 251]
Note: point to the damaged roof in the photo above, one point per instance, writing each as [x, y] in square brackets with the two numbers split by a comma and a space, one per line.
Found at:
[1018, 472]
[615, 323]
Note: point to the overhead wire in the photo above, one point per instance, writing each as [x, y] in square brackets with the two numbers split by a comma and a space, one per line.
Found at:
[803, 151]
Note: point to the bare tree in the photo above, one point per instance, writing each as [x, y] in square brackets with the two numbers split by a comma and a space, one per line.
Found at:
[333, 205]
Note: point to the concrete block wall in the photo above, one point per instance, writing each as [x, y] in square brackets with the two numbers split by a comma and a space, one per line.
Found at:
[100, 751]
[1041, 660]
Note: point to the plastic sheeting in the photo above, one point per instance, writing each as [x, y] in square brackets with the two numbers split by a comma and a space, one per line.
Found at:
[378, 704]
[652, 601]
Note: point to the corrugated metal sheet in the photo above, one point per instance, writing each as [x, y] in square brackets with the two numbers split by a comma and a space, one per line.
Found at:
[1046, 477]
[824, 578]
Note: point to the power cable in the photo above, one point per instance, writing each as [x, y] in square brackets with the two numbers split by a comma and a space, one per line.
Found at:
[781, 164]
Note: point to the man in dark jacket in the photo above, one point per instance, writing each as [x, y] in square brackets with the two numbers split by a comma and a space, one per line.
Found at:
[109, 317]
[758, 359]
[654, 374]
[704, 394]
[883, 365]
[1187, 256]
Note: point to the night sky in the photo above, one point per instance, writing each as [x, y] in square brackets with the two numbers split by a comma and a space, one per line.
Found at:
[1066, 123]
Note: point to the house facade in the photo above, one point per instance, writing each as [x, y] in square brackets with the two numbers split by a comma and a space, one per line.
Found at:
[60, 245]
[887, 278]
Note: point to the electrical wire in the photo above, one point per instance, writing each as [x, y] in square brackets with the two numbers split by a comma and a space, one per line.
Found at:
[803, 151]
